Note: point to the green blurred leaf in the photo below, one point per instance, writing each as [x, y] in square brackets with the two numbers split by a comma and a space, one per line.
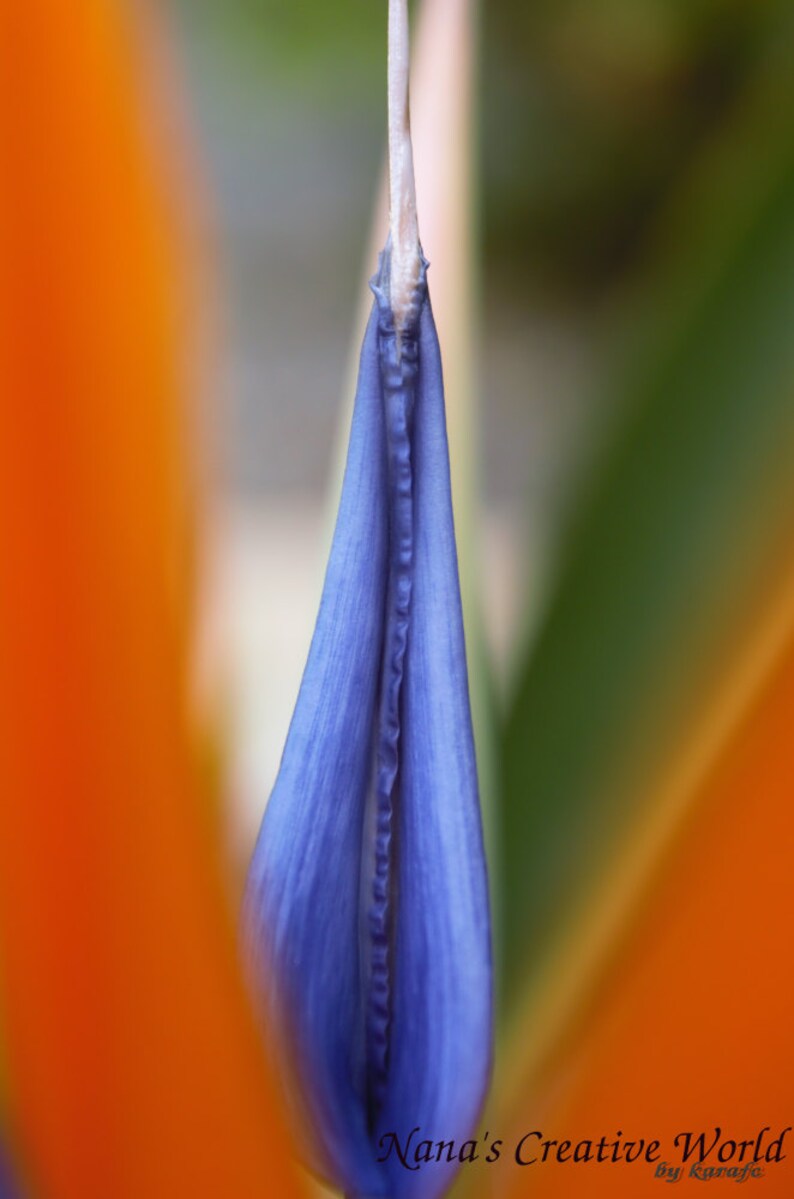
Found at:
[673, 532]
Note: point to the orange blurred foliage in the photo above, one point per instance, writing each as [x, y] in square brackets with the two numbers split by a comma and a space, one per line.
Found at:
[134, 1065]
[693, 1030]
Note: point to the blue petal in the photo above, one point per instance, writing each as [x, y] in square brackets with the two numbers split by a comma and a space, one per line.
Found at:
[441, 1003]
[303, 896]
[366, 912]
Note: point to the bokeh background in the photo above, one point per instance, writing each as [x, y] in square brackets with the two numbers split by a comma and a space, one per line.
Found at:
[189, 215]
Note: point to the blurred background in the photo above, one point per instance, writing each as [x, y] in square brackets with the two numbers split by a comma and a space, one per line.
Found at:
[606, 196]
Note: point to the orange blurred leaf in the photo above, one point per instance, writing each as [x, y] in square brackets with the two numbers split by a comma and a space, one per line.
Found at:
[134, 1066]
[690, 1029]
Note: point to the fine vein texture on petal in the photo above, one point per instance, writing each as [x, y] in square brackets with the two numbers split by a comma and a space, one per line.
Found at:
[366, 913]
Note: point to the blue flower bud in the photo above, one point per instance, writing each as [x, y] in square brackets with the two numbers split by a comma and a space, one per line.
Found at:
[366, 916]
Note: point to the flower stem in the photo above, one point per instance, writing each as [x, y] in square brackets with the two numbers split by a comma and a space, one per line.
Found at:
[404, 229]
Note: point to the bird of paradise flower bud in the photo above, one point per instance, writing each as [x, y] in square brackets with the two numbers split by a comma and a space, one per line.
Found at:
[366, 913]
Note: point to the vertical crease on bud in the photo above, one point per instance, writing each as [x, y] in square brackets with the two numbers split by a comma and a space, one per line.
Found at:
[399, 357]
